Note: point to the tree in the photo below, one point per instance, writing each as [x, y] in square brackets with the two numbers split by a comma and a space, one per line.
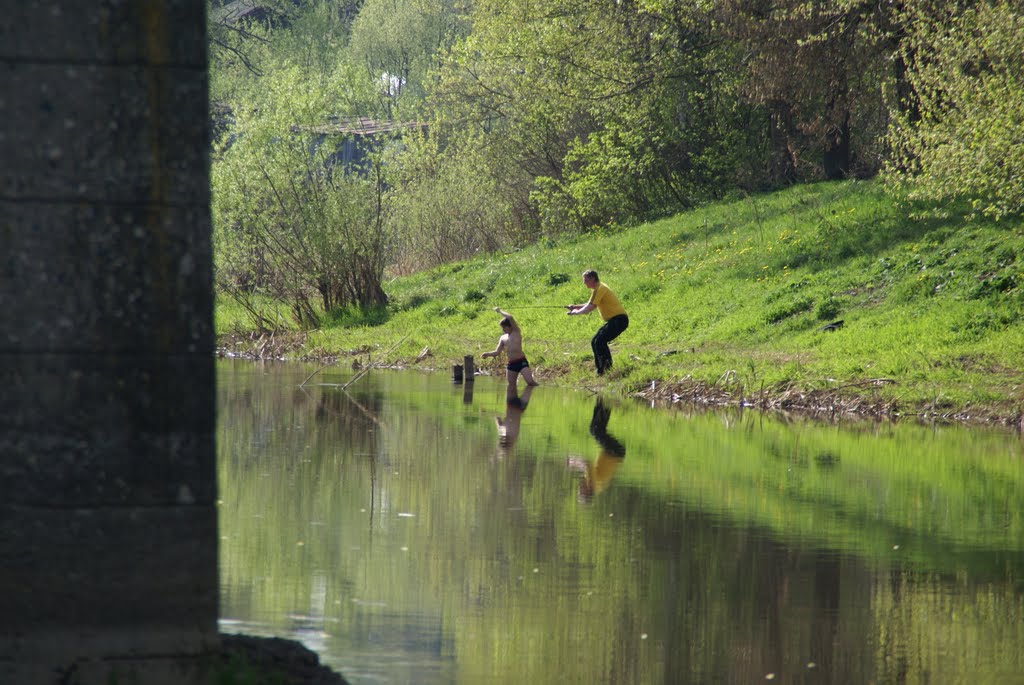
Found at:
[397, 42]
[445, 206]
[818, 67]
[593, 112]
[963, 139]
[287, 223]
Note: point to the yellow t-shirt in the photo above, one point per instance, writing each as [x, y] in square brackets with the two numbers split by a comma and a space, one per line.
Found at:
[606, 302]
[599, 474]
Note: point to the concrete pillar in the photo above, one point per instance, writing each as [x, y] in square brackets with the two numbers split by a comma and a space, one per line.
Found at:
[108, 552]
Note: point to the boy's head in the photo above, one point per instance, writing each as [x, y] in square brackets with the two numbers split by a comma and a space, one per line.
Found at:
[506, 324]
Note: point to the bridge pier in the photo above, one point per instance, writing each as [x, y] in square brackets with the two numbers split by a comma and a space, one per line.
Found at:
[108, 557]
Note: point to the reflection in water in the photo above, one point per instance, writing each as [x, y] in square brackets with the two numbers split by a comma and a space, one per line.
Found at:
[375, 525]
[508, 427]
[826, 460]
[598, 475]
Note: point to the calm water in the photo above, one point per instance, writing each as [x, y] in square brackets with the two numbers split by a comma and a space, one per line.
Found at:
[411, 532]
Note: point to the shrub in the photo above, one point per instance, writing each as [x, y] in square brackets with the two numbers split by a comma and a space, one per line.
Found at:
[828, 309]
[788, 309]
[558, 279]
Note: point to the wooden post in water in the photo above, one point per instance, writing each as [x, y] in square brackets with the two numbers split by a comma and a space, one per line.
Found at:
[467, 363]
[457, 373]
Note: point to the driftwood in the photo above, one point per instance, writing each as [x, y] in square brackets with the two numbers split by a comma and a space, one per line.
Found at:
[726, 391]
[367, 368]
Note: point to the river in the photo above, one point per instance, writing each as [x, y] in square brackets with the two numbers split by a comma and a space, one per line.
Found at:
[411, 530]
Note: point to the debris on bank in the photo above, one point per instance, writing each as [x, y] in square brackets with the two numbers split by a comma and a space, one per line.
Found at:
[847, 400]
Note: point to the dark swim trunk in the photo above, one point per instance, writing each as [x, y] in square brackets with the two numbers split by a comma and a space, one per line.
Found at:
[517, 365]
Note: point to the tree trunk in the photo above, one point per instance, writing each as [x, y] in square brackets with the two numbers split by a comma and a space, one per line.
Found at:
[781, 132]
[836, 159]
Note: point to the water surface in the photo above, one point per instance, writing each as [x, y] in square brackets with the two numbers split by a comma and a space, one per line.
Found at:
[414, 531]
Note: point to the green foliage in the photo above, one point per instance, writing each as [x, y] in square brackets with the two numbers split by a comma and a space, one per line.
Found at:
[566, 118]
[591, 116]
[353, 316]
[597, 179]
[828, 309]
[312, 35]
[644, 289]
[961, 138]
[396, 42]
[788, 309]
[817, 70]
[416, 300]
[445, 204]
[288, 223]
[307, 36]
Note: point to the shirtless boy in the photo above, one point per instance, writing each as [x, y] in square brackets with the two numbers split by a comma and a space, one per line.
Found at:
[512, 342]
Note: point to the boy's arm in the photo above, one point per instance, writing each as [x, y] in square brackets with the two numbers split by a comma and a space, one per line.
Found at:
[497, 350]
[511, 319]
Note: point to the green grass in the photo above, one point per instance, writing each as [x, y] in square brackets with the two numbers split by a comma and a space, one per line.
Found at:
[738, 291]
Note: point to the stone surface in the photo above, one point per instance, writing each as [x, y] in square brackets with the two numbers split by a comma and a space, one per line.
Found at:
[139, 574]
[278, 661]
[160, 32]
[100, 133]
[122, 278]
[107, 430]
[108, 551]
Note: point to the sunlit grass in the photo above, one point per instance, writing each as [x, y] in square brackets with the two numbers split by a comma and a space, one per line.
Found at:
[740, 290]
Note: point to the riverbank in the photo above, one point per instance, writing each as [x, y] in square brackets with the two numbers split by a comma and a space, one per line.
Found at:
[825, 299]
[855, 399]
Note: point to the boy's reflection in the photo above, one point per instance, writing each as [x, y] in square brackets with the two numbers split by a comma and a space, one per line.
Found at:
[597, 476]
[508, 428]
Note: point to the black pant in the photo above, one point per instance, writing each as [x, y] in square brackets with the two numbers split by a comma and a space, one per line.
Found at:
[605, 334]
[599, 429]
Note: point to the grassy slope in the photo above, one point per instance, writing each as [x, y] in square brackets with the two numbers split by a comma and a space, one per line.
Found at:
[732, 295]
